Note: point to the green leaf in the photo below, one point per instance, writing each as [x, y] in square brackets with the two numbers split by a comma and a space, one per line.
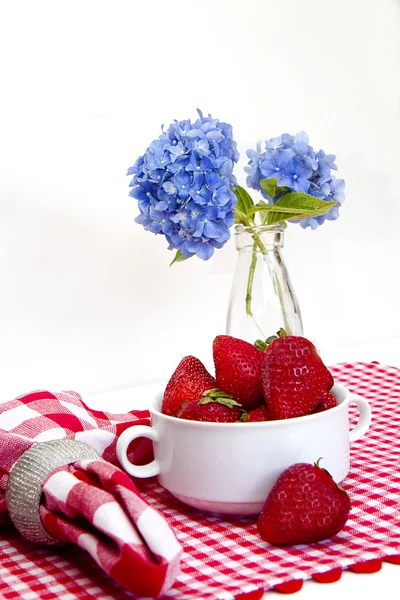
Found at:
[294, 205]
[244, 205]
[281, 190]
[267, 211]
[269, 186]
[303, 201]
[303, 206]
[179, 258]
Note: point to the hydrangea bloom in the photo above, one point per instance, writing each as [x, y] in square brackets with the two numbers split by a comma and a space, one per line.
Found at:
[297, 167]
[184, 185]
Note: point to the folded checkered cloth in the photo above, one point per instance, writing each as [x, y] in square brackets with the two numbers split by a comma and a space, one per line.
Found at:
[92, 503]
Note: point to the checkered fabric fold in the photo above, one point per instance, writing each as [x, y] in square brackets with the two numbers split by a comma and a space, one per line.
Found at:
[92, 503]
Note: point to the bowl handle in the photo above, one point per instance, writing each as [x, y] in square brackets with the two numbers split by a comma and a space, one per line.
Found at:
[364, 419]
[126, 437]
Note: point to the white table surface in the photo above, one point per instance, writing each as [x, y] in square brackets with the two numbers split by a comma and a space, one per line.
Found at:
[385, 583]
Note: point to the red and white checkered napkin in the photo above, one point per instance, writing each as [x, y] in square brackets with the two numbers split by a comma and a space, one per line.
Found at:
[91, 503]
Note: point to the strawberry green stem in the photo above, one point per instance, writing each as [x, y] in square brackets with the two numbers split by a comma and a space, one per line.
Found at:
[261, 345]
[216, 395]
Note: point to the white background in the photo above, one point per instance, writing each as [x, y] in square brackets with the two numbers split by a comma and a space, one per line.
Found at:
[87, 299]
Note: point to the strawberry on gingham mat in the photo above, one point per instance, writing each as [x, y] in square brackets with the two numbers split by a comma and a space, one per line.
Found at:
[57, 487]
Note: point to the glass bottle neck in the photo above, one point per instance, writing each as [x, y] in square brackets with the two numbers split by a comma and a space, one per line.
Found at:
[262, 237]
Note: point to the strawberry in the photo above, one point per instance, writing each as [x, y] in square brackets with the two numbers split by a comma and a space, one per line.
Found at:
[293, 377]
[215, 406]
[326, 400]
[304, 506]
[188, 382]
[237, 370]
[259, 414]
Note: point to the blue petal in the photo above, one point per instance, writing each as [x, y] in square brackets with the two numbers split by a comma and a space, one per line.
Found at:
[333, 214]
[215, 135]
[213, 179]
[213, 229]
[198, 180]
[202, 147]
[142, 219]
[313, 223]
[274, 143]
[222, 197]
[282, 179]
[155, 227]
[167, 228]
[169, 187]
[206, 164]
[211, 213]
[160, 205]
[182, 178]
[301, 138]
[193, 246]
[195, 133]
[198, 232]
[301, 185]
[205, 251]
[253, 155]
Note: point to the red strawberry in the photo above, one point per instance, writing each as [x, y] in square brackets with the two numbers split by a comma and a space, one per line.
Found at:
[304, 506]
[188, 382]
[259, 414]
[293, 377]
[237, 370]
[214, 406]
[327, 400]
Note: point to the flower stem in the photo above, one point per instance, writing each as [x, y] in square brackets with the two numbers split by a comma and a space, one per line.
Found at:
[277, 286]
[280, 295]
[249, 296]
[250, 279]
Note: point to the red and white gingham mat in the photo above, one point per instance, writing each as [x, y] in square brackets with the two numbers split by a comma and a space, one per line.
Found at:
[225, 558]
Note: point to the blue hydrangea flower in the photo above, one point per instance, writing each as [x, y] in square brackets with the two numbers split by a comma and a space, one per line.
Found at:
[184, 184]
[297, 167]
[275, 164]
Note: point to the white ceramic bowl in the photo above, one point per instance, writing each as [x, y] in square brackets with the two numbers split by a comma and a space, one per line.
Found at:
[229, 468]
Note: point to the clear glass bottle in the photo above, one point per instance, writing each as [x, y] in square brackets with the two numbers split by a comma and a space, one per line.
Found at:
[262, 299]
